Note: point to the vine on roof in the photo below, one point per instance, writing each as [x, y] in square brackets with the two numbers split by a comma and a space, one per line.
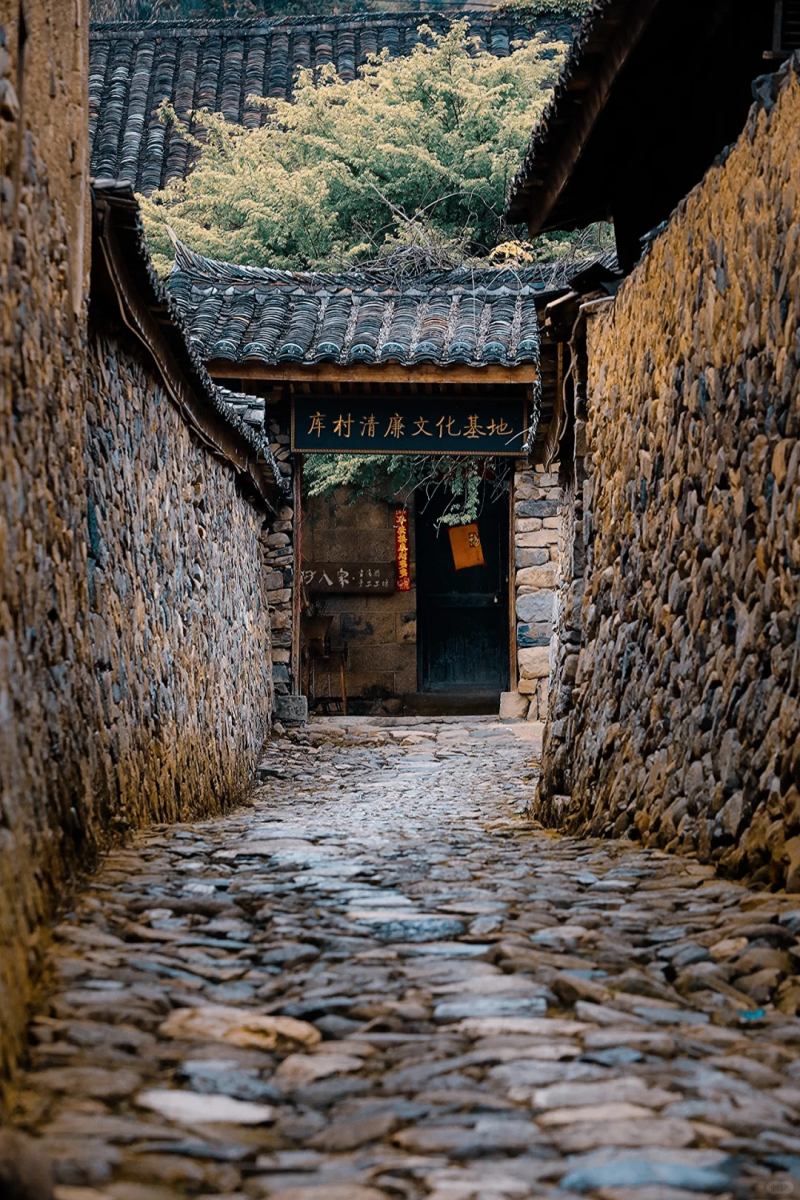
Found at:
[397, 477]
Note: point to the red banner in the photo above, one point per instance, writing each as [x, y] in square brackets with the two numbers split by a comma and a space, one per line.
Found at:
[401, 549]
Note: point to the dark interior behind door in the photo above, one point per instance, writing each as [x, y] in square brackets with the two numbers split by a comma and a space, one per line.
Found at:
[462, 616]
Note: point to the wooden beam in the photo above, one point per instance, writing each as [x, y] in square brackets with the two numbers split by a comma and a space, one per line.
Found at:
[220, 368]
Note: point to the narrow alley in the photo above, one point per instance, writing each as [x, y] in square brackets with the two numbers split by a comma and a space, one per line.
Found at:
[379, 980]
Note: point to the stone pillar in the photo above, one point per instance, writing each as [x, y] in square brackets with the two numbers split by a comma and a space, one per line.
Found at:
[278, 540]
[537, 507]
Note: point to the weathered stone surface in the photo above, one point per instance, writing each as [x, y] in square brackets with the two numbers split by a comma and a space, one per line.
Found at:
[292, 710]
[537, 577]
[513, 706]
[135, 664]
[189, 1108]
[675, 714]
[537, 606]
[534, 662]
[358, 828]
[24, 1173]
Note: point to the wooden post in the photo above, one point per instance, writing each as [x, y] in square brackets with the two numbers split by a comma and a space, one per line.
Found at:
[297, 567]
[512, 585]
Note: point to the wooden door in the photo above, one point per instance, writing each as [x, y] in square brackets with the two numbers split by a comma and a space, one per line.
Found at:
[462, 616]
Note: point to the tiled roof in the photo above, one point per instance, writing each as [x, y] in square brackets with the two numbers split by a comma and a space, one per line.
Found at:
[253, 314]
[249, 410]
[216, 65]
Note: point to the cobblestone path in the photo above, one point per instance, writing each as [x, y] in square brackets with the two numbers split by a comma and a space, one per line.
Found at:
[380, 983]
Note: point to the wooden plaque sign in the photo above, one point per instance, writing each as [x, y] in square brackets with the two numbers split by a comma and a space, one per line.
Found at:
[409, 425]
[346, 578]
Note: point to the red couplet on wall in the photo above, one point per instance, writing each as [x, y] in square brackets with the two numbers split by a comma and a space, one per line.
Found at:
[401, 549]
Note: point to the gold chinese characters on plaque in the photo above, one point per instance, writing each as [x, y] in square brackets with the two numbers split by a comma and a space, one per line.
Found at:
[486, 425]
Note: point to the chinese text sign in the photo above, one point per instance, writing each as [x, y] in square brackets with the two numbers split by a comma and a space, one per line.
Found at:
[408, 425]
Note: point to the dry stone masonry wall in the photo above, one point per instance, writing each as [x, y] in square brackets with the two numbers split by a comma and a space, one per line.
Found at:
[179, 625]
[41, 433]
[537, 506]
[682, 727]
[279, 559]
[135, 675]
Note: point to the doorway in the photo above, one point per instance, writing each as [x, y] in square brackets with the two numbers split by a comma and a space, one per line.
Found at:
[462, 616]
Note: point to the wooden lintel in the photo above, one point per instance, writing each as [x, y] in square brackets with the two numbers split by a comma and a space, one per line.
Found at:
[371, 373]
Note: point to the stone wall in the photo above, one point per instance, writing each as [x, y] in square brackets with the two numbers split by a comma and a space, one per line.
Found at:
[279, 558]
[380, 631]
[537, 505]
[135, 679]
[683, 724]
[42, 343]
[135, 671]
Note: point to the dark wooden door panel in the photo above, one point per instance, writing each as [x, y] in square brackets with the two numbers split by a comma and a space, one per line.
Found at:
[462, 615]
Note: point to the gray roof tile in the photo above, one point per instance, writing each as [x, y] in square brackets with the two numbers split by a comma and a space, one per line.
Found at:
[134, 66]
[467, 316]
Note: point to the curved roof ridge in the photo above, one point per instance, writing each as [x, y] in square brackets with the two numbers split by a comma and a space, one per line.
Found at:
[465, 278]
[223, 24]
[270, 316]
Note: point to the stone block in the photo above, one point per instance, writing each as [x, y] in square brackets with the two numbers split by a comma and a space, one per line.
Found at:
[527, 687]
[537, 508]
[375, 545]
[292, 710]
[536, 607]
[375, 628]
[280, 596]
[527, 524]
[405, 680]
[534, 662]
[536, 634]
[531, 558]
[542, 693]
[368, 656]
[513, 706]
[536, 538]
[537, 577]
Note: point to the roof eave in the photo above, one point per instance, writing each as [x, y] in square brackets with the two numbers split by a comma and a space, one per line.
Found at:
[120, 274]
[605, 45]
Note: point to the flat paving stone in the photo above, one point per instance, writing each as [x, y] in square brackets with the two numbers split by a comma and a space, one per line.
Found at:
[381, 981]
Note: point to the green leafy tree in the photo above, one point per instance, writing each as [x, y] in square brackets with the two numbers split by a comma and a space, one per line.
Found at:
[398, 477]
[420, 148]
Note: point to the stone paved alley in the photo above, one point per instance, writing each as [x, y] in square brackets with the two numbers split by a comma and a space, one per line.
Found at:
[380, 981]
